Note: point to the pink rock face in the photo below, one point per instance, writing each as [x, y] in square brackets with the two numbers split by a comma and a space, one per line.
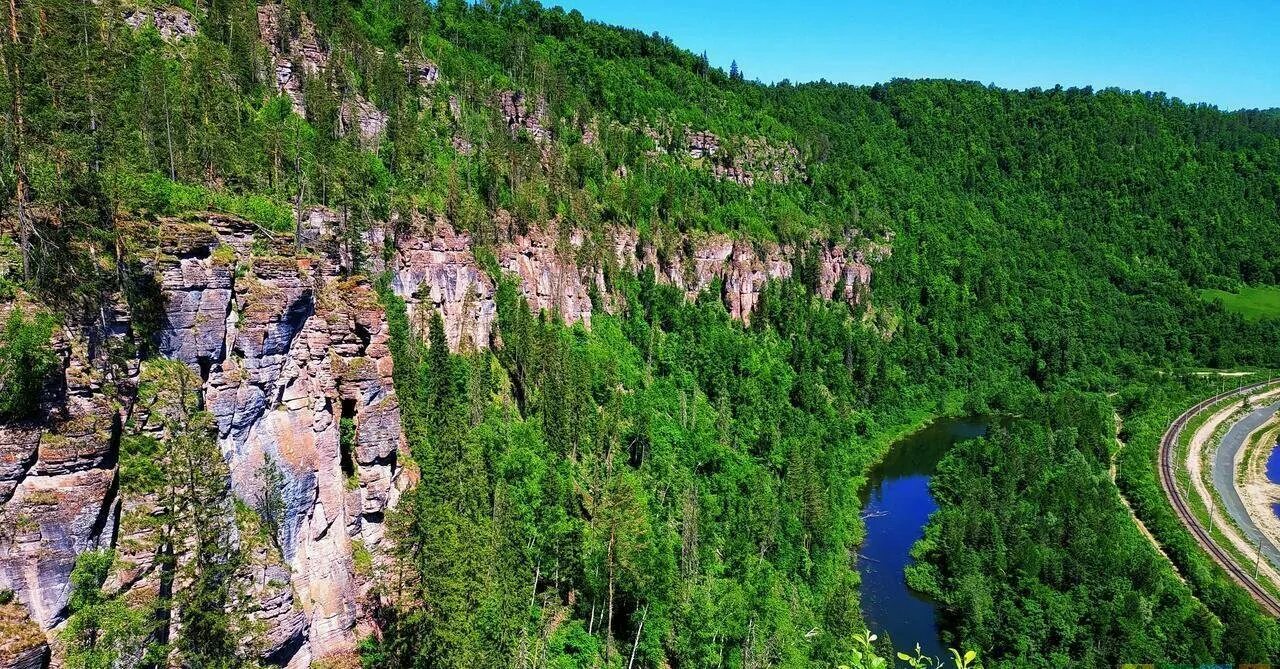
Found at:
[364, 117]
[549, 278]
[523, 114]
[173, 23]
[291, 47]
[438, 268]
[750, 159]
[420, 71]
[848, 271]
[703, 145]
[297, 54]
[57, 470]
[307, 348]
[288, 349]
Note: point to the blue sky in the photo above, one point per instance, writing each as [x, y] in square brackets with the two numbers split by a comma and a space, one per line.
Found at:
[1224, 52]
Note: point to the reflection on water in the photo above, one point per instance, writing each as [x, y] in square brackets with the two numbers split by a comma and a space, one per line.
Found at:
[897, 504]
[1273, 465]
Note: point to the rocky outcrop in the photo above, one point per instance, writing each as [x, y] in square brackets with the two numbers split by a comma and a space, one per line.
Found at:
[173, 23]
[743, 160]
[703, 145]
[297, 54]
[301, 350]
[294, 47]
[420, 71]
[744, 268]
[58, 485]
[22, 644]
[289, 350]
[364, 117]
[432, 265]
[436, 268]
[548, 274]
[523, 114]
[746, 160]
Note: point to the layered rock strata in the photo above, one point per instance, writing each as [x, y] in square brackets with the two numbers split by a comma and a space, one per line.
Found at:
[436, 266]
[288, 349]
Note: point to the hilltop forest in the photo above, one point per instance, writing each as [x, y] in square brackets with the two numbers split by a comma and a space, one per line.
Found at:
[668, 485]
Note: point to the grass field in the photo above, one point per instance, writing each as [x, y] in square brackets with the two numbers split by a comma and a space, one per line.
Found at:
[1254, 303]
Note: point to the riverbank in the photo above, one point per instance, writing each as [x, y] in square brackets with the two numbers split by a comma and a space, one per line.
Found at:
[1149, 406]
[1259, 493]
[1208, 458]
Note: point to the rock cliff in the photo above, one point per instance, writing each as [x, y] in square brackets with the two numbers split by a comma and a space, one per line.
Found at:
[435, 265]
[289, 349]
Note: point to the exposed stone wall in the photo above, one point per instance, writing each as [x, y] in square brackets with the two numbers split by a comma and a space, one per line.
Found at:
[297, 53]
[436, 268]
[433, 264]
[173, 23]
[743, 160]
[295, 50]
[58, 490]
[521, 113]
[285, 348]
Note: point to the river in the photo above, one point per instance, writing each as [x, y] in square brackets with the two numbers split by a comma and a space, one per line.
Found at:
[897, 504]
[1273, 472]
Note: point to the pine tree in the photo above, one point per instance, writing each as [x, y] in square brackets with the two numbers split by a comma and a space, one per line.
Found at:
[196, 553]
[439, 370]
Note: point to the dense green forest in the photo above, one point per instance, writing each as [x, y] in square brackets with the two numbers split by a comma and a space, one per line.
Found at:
[1036, 561]
[672, 485]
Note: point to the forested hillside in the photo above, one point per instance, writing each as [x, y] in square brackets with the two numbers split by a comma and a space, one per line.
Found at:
[646, 455]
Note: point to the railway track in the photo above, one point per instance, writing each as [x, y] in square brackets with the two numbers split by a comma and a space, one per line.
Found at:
[1168, 444]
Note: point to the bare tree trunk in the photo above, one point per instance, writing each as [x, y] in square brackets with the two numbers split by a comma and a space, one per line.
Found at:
[608, 637]
[20, 195]
[533, 598]
[168, 122]
[636, 644]
[297, 168]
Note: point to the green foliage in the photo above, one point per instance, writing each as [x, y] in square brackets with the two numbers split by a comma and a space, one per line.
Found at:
[1033, 555]
[270, 504]
[1251, 302]
[668, 481]
[104, 630]
[174, 460]
[27, 360]
[347, 450]
[669, 465]
[1149, 403]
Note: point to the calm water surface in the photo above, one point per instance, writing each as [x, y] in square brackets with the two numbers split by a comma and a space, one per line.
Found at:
[1273, 465]
[897, 503]
[1273, 472]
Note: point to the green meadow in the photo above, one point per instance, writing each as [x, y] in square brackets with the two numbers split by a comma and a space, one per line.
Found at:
[1254, 303]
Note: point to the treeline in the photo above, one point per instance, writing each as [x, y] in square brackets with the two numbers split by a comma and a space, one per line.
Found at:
[1047, 233]
[667, 485]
